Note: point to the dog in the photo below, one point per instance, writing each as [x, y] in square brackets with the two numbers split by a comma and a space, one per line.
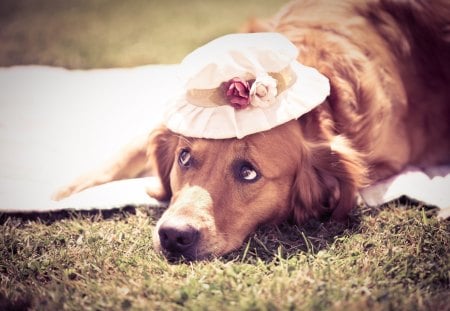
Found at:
[389, 70]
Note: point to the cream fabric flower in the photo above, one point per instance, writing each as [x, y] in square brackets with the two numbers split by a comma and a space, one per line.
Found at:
[263, 91]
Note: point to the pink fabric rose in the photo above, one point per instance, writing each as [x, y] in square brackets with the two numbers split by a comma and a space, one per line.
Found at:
[238, 93]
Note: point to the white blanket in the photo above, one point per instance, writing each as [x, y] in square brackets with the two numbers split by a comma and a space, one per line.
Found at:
[56, 124]
[430, 186]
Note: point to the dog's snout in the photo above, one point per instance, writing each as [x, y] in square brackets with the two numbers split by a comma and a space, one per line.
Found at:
[178, 239]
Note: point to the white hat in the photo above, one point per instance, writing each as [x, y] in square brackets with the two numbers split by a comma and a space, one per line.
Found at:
[242, 84]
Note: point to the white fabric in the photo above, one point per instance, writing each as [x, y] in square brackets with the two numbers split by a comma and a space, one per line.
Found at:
[56, 124]
[431, 186]
[238, 55]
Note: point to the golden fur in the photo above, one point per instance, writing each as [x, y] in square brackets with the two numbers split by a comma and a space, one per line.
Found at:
[389, 67]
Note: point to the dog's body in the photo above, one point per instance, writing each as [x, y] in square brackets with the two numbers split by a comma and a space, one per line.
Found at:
[389, 68]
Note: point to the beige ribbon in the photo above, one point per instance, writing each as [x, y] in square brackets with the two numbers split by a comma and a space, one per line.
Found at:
[209, 98]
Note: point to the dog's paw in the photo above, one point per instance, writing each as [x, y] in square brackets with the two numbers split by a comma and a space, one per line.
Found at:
[62, 193]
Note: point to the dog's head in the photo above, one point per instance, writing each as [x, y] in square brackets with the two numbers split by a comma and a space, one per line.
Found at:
[222, 190]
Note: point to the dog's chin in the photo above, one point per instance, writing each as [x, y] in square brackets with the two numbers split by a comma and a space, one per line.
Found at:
[186, 256]
[199, 253]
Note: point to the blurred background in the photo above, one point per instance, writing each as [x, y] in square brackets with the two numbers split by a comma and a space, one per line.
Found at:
[116, 33]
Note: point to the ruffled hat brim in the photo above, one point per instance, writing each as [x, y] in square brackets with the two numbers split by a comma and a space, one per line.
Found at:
[309, 90]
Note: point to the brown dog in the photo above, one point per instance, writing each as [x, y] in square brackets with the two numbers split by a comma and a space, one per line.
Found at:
[389, 67]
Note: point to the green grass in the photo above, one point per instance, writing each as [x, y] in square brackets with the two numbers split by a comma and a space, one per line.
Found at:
[102, 33]
[386, 259]
[390, 258]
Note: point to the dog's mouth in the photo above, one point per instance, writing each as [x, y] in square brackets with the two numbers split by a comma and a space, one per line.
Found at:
[179, 240]
[179, 237]
[177, 257]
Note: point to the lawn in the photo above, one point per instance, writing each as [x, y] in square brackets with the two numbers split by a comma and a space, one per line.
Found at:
[395, 257]
[389, 258]
[113, 33]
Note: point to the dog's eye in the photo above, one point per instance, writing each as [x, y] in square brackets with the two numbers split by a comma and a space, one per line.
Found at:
[248, 173]
[184, 158]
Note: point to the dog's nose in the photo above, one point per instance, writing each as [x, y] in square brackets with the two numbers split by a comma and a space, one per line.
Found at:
[178, 239]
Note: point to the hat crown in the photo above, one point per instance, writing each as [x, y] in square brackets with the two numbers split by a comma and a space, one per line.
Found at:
[236, 55]
[242, 84]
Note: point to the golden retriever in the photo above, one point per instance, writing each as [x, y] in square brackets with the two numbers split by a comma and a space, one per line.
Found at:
[389, 67]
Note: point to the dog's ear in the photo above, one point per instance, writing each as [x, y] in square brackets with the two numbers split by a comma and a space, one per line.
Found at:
[327, 180]
[161, 153]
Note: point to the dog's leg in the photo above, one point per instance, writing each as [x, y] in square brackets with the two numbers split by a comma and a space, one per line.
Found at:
[130, 162]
